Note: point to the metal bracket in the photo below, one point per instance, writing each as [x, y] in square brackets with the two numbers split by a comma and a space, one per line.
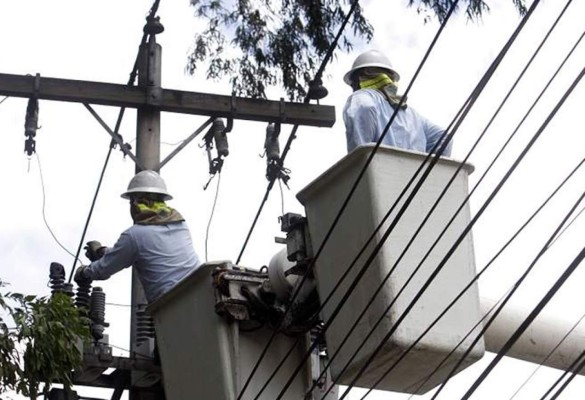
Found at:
[154, 96]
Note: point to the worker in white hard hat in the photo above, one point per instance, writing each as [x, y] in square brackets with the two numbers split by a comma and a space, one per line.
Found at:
[373, 102]
[158, 245]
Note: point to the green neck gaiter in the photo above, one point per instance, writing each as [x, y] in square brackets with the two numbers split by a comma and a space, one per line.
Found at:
[383, 83]
[149, 212]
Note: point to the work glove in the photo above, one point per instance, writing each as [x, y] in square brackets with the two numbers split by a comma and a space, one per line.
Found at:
[94, 250]
[81, 275]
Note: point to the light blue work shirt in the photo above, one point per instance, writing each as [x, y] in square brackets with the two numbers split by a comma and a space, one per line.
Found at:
[161, 254]
[366, 114]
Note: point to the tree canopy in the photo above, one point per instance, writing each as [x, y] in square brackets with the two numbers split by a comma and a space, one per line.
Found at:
[263, 43]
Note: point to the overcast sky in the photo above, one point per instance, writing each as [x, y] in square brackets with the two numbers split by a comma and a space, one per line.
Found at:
[97, 41]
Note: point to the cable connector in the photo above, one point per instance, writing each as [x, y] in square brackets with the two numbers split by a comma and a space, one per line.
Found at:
[217, 134]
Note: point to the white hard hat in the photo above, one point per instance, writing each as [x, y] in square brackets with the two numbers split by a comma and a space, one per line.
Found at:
[147, 181]
[370, 58]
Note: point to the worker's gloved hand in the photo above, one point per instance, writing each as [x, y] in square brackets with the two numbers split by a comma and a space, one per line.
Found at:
[81, 275]
[94, 250]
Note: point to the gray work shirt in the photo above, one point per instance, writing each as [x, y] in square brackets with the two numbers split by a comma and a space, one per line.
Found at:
[366, 114]
[161, 254]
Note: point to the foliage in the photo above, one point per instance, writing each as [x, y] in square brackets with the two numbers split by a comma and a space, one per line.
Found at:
[42, 345]
[262, 43]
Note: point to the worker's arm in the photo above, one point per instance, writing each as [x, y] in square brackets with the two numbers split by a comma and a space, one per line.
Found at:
[433, 134]
[116, 258]
[360, 118]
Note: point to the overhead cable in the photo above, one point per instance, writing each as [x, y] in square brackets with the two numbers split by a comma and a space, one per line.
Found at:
[482, 209]
[269, 188]
[447, 136]
[531, 317]
[131, 81]
[411, 241]
[440, 145]
[414, 272]
[517, 284]
[577, 370]
[573, 367]
[472, 282]
[292, 136]
[550, 353]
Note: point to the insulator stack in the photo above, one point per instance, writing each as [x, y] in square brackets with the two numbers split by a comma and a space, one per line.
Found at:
[271, 144]
[220, 137]
[68, 289]
[56, 278]
[83, 300]
[144, 326]
[97, 313]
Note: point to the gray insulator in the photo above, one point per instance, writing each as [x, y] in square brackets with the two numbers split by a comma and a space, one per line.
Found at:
[82, 300]
[271, 144]
[97, 313]
[56, 278]
[68, 289]
[220, 137]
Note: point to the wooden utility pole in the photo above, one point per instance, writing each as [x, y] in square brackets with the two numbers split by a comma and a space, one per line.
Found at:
[149, 98]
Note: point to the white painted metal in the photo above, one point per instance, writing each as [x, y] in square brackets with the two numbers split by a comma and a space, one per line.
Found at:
[281, 284]
[203, 356]
[385, 178]
[540, 338]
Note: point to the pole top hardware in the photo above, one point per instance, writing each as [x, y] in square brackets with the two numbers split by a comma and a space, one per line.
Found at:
[153, 26]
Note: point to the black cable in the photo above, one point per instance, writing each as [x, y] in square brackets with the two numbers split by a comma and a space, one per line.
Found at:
[467, 107]
[540, 130]
[131, 81]
[292, 135]
[441, 143]
[269, 188]
[564, 385]
[522, 328]
[475, 279]
[573, 365]
[112, 143]
[380, 287]
[468, 228]
[548, 356]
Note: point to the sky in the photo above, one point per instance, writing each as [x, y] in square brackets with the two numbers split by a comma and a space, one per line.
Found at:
[97, 41]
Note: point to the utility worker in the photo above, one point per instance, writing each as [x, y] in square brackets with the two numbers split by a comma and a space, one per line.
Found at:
[158, 245]
[373, 102]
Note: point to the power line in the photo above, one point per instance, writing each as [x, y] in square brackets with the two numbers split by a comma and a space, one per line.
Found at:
[573, 365]
[569, 224]
[540, 130]
[549, 354]
[354, 6]
[466, 230]
[573, 374]
[441, 143]
[511, 293]
[380, 287]
[522, 328]
[475, 279]
[131, 81]
[292, 135]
